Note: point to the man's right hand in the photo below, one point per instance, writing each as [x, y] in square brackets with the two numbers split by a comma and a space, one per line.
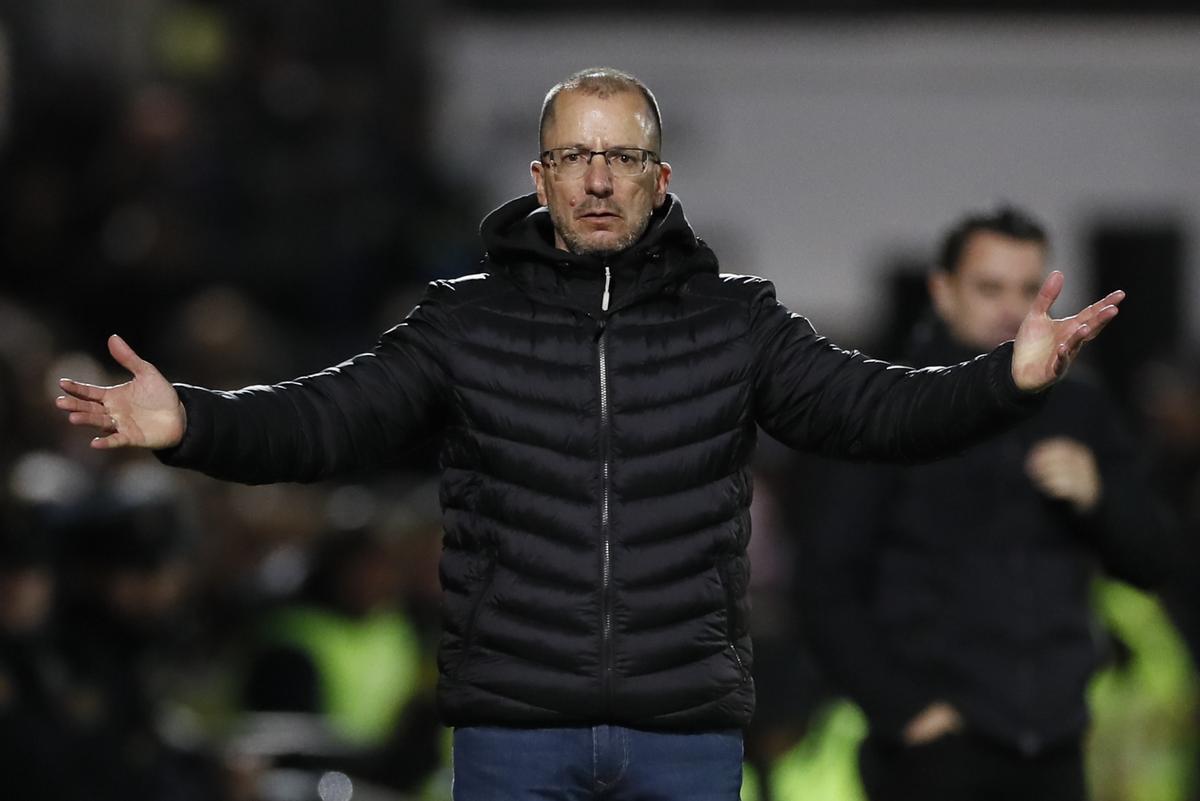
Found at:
[934, 721]
[144, 412]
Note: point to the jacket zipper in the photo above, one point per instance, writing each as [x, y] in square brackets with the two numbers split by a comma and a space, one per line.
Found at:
[605, 539]
[738, 658]
[730, 634]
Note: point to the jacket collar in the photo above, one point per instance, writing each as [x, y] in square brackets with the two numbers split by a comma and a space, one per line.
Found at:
[519, 238]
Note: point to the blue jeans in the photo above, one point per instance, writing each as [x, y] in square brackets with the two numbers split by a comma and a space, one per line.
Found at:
[601, 762]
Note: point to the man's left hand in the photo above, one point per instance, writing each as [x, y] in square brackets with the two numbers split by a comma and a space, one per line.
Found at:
[1065, 469]
[1045, 347]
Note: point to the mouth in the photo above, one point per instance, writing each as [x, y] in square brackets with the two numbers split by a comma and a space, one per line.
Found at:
[600, 216]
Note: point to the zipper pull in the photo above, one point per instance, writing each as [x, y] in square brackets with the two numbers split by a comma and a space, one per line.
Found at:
[607, 283]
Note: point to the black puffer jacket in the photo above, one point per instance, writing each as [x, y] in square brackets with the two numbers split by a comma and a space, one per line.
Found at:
[595, 483]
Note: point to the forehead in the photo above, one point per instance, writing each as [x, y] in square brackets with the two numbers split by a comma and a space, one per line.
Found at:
[995, 257]
[583, 118]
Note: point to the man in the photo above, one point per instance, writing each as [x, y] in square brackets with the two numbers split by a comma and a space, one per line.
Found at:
[595, 396]
[951, 600]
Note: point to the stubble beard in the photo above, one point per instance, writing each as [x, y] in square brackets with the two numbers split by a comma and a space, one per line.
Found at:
[578, 244]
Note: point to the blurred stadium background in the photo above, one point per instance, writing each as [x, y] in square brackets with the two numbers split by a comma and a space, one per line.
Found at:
[253, 190]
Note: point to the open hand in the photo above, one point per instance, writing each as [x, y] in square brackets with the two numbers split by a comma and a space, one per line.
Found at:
[1045, 347]
[144, 412]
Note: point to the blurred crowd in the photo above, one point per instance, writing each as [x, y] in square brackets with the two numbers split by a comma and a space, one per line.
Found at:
[244, 192]
[249, 191]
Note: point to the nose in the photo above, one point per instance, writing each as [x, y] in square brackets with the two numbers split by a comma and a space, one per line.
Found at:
[598, 178]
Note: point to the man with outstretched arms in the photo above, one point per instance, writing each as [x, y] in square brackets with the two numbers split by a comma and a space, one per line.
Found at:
[595, 396]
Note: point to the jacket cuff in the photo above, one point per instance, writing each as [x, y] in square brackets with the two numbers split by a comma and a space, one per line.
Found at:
[197, 436]
[1000, 379]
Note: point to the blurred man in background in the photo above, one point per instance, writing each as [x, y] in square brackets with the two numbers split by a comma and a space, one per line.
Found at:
[345, 651]
[951, 600]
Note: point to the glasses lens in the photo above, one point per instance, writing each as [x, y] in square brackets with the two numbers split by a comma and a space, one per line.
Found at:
[570, 162]
[626, 163]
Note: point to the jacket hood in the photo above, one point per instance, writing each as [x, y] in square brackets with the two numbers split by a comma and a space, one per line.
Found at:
[519, 239]
[521, 230]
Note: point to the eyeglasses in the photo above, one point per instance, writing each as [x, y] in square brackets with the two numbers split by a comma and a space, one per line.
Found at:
[625, 162]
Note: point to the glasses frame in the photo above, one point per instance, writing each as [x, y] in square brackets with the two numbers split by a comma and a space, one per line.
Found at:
[648, 156]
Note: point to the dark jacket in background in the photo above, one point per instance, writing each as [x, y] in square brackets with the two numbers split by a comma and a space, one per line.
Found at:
[959, 581]
[595, 484]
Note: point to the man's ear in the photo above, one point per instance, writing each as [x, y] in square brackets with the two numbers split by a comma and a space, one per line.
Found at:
[661, 181]
[538, 170]
[941, 292]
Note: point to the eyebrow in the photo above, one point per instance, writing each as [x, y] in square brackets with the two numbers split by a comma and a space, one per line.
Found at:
[611, 147]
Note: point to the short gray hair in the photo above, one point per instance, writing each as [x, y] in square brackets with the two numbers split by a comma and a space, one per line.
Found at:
[601, 81]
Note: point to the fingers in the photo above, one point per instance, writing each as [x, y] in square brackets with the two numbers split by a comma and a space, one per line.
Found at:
[101, 420]
[78, 389]
[1086, 331]
[83, 412]
[125, 355]
[1066, 351]
[1062, 360]
[1096, 316]
[1112, 299]
[1099, 320]
[113, 440]
[1082, 333]
[86, 413]
[71, 404]
[1049, 292]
